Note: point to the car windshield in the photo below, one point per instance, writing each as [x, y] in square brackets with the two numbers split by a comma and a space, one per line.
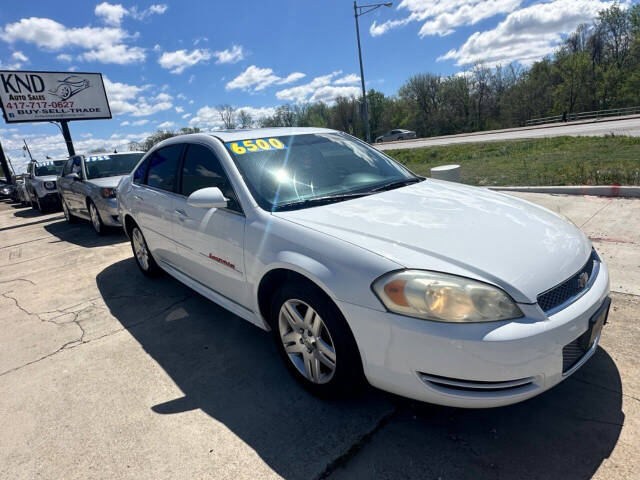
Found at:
[111, 165]
[53, 167]
[299, 171]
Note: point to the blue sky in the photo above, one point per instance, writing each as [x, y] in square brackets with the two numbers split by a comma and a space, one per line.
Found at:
[168, 64]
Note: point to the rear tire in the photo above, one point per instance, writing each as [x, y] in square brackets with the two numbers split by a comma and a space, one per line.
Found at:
[144, 259]
[317, 347]
[67, 213]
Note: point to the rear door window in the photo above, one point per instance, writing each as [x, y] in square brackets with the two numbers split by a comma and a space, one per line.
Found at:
[163, 167]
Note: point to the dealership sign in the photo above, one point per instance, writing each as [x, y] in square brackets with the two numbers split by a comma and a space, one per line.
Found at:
[52, 96]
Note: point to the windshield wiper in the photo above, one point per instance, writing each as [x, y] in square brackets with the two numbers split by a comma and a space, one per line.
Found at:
[309, 202]
[396, 184]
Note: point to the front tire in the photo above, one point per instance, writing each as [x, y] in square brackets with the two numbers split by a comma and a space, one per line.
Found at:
[96, 221]
[315, 341]
[141, 253]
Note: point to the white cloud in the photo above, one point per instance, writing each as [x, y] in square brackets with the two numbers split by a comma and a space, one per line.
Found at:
[119, 54]
[19, 56]
[233, 55]
[329, 93]
[442, 17]
[348, 79]
[125, 99]
[163, 97]
[110, 14]
[125, 123]
[179, 60]
[158, 9]
[209, 117]
[186, 115]
[254, 79]
[526, 35]
[324, 88]
[104, 44]
[179, 109]
[63, 57]
[291, 78]
[166, 124]
[138, 123]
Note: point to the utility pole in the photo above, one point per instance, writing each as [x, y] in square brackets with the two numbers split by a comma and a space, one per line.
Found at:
[357, 12]
[5, 165]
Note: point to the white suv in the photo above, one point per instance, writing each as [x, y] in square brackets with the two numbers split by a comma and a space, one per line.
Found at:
[433, 290]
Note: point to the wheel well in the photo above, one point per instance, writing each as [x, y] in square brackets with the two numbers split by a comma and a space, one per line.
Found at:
[273, 280]
[129, 222]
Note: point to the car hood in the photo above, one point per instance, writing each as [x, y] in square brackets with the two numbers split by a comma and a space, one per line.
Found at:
[46, 178]
[106, 182]
[441, 226]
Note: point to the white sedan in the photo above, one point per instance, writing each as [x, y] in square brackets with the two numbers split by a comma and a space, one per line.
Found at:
[432, 290]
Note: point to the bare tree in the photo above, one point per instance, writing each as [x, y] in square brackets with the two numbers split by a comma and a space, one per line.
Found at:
[245, 120]
[227, 115]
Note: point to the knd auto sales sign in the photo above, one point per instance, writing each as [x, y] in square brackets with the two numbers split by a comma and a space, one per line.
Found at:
[51, 96]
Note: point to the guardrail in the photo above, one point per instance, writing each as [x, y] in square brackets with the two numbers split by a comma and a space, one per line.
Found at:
[613, 112]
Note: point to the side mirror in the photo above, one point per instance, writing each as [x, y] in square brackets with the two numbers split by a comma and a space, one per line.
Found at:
[74, 176]
[210, 197]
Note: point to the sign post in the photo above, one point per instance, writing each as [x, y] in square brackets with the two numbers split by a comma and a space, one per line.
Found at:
[67, 137]
[34, 96]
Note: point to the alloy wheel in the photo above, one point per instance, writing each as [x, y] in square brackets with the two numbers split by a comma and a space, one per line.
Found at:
[140, 249]
[95, 217]
[307, 341]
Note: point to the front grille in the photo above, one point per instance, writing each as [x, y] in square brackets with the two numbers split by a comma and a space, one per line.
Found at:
[574, 351]
[569, 289]
[474, 385]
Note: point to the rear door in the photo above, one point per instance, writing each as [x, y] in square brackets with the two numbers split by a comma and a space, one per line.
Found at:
[153, 197]
[210, 241]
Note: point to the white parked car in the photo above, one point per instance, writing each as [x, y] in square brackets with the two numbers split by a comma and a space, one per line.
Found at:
[432, 290]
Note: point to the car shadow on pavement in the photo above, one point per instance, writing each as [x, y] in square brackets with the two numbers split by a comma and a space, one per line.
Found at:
[29, 212]
[230, 370]
[83, 234]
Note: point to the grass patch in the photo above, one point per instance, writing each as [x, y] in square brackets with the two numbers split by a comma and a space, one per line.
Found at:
[546, 161]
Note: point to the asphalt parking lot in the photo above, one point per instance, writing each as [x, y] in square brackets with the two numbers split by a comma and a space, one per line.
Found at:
[107, 374]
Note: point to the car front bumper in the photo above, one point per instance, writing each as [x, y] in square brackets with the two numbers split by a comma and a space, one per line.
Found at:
[108, 210]
[50, 200]
[475, 365]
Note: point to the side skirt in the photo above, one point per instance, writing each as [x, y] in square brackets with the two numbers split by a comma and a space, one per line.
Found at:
[212, 295]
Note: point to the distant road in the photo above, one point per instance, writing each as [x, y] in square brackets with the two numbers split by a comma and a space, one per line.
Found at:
[623, 126]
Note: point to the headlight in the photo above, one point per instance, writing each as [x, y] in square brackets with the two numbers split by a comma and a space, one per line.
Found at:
[108, 192]
[443, 297]
[50, 185]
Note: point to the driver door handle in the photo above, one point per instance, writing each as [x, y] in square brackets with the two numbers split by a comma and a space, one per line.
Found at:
[181, 212]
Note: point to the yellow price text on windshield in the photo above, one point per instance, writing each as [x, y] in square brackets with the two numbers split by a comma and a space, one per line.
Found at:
[255, 145]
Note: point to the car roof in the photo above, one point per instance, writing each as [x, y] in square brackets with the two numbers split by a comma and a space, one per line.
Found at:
[248, 133]
[108, 154]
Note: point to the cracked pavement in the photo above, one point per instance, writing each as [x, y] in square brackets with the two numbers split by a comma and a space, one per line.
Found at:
[107, 374]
